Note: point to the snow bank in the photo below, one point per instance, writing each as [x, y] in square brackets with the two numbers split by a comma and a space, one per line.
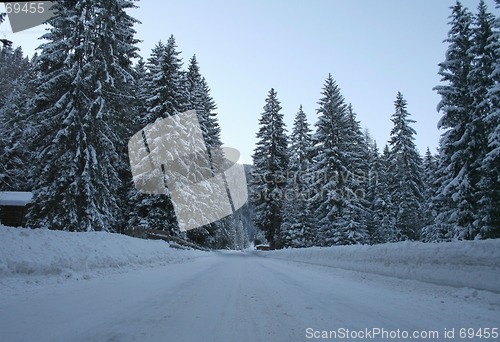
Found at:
[474, 264]
[46, 252]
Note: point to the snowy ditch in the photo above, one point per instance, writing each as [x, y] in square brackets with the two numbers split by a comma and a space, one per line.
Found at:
[474, 264]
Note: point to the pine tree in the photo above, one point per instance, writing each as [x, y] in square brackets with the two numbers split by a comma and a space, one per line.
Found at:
[270, 160]
[165, 96]
[432, 232]
[461, 144]
[13, 66]
[429, 178]
[387, 230]
[490, 168]
[405, 170]
[380, 223]
[141, 95]
[15, 155]
[200, 100]
[83, 89]
[295, 230]
[168, 94]
[340, 215]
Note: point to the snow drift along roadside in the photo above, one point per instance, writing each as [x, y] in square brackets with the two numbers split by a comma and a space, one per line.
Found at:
[474, 264]
[46, 252]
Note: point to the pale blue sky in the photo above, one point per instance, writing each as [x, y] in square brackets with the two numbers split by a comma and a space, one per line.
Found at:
[373, 49]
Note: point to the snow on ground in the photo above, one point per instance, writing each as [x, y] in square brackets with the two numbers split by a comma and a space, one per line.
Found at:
[473, 264]
[60, 286]
[37, 253]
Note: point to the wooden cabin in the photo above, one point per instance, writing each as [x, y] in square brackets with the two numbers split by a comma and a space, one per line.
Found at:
[13, 207]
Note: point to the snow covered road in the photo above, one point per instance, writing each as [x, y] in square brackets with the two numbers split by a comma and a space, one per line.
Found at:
[237, 296]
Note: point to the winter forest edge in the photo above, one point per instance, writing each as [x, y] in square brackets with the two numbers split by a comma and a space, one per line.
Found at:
[66, 115]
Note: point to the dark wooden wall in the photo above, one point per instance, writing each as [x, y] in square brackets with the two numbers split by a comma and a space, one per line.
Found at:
[13, 216]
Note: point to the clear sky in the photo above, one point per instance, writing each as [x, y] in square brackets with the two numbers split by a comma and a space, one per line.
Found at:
[372, 48]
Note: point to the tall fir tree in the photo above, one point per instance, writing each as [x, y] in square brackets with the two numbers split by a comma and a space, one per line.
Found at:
[15, 128]
[458, 195]
[405, 170]
[380, 224]
[165, 96]
[429, 178]
[336, 206]
[141, 95]
[295, 229]
[200, 100]
[83, 90]
[13, 66]
[431, 232]
[490, 183]
[270, 160]
[168, 93]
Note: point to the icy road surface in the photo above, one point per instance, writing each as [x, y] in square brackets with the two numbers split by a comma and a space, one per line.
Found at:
[237, 296]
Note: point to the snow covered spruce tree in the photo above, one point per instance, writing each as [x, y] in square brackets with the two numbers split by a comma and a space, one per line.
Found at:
[429, 179]
[270, 162]
[166, 95]
[295, 229]
[461, 145]
[340, 215]
[141, 95]
[16, 92]
[199, 99]
[13, 66]
[83, 90]
[488, 66]
[380, 223]
[405, 174]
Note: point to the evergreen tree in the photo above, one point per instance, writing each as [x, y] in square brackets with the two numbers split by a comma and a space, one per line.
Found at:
[83, 89]
[357, 177]
[295, 230]
[240, 236]
[432, 174]
[380, 223]
[15, 156]
[457, 197]
[490, 183]
[168, 94]
[405, 171]
[336, 205]
[383, 209]
[141, 95]
[13, 66]
[165, 96]
[429, 178]
[200, 100]
[270, 160]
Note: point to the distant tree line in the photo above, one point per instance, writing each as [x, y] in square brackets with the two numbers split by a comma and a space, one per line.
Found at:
[332, 186]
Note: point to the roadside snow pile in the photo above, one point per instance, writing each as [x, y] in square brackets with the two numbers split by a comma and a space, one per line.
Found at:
[474, 264]
[40, 252]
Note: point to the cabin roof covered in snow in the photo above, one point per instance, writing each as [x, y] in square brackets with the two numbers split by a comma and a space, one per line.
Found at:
[15, 198]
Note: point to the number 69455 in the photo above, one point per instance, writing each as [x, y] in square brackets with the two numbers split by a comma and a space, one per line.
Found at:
[24, 7]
